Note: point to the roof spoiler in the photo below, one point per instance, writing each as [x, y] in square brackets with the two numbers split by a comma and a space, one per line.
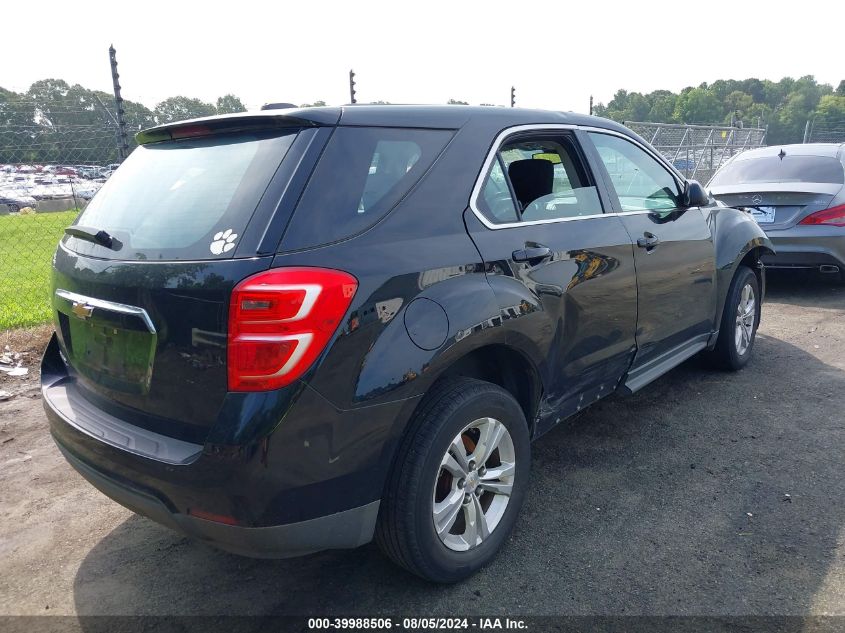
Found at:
[278, 106]
[196, 128]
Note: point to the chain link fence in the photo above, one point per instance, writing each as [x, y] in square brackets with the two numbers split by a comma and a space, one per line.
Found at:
[697, 151]
[824, 132]
[51, 164]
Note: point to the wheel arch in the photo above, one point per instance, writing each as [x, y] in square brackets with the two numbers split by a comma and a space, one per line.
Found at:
[505, 366]
[739, 241]
[495, 362]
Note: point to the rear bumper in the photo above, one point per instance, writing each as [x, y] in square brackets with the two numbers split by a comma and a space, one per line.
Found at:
[346, 529]
[313, 482]
[807, 247]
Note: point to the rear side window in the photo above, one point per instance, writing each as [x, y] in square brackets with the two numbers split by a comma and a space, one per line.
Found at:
[822, 169]
[362, 174]
[496, 201]
[186, 199]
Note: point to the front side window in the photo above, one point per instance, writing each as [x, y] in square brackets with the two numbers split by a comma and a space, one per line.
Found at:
[538, 178]
[640, 181]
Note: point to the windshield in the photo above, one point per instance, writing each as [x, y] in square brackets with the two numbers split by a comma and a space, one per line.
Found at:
[185, 199]
[822, 169]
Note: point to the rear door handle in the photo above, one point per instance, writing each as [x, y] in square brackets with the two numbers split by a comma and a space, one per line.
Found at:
[648, 241]
[529, 253]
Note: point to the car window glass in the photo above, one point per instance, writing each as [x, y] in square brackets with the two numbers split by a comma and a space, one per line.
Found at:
[363, 173]
[787, 168]
[549, 179]
[640, 181]
[496, 201]
[184, 199]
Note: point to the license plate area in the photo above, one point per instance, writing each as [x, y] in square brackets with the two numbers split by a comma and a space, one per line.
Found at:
[110, 344]
[763, 215]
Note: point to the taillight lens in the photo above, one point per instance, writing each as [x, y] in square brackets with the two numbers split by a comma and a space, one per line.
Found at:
[835, 216]
[280, 321]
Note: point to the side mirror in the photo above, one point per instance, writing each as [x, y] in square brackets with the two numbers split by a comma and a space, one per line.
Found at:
[694, 195]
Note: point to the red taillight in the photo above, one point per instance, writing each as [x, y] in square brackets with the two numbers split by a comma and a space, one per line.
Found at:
[190, 131]
[280, 321]
[835, 216]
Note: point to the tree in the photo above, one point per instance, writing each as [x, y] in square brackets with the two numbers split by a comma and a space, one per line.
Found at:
[698, 106]
[740, 105]
[228, 104]
[456, 102]
[662, 106]
[840, 89]
[316, 104]
[180, 108]
[831, 109]
[138, 116]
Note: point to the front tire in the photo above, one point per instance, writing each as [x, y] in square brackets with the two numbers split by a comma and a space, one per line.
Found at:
[740, 318]
[458, 482]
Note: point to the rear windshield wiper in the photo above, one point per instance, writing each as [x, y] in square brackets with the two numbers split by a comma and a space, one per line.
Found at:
[98, 236]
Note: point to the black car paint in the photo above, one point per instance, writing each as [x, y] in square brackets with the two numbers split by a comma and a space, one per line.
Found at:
[326, 443]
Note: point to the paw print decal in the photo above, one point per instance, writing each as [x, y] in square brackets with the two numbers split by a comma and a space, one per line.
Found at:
[224, 241]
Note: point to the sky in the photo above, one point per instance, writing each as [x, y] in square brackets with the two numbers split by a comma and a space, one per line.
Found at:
[556, 54]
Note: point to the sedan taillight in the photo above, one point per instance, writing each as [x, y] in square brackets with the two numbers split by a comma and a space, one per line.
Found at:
[280, 321]
[835, 216]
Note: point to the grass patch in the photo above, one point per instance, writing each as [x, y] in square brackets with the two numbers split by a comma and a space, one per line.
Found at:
[27, 244]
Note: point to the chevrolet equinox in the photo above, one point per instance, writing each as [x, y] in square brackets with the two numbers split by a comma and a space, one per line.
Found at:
[293, 330]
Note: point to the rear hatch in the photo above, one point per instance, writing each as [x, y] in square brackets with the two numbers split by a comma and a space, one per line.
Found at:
[779, 191]
[142, 321]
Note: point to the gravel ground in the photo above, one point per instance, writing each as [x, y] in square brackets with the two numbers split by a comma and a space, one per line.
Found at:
[705, 494]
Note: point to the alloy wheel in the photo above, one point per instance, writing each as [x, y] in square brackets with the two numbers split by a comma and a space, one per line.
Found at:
[474, 484]
[746, 315]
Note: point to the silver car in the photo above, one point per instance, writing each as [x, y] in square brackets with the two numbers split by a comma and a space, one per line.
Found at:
[14, 200]
[797, 195]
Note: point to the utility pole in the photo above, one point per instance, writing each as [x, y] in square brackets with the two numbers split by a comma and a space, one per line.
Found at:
[591, 105]
[122, 144]
[513, 97]
[352, 87]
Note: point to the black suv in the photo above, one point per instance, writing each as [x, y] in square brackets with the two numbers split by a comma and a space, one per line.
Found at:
[294, 330]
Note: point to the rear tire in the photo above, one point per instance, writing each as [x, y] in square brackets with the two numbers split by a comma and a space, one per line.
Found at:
[740, 318]
[444, 516]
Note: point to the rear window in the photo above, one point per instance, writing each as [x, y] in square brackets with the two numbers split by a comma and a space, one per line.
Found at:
[185, 199]
[822, 169]
[362, 175]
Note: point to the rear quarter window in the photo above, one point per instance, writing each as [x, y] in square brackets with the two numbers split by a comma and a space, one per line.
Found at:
[185, 199]
[362, 174]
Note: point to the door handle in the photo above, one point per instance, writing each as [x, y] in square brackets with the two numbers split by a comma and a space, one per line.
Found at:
[648, 241]
[530, 253]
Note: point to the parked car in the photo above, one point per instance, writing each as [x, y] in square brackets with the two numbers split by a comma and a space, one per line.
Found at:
[90, 172]
[797, 194]
[15, 201]
[309, 328]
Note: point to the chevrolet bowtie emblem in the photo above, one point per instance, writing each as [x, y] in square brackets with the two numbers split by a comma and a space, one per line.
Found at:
[82, 310]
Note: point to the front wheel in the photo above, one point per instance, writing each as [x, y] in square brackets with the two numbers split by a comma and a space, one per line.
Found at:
[740, 319]
[458, 482]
